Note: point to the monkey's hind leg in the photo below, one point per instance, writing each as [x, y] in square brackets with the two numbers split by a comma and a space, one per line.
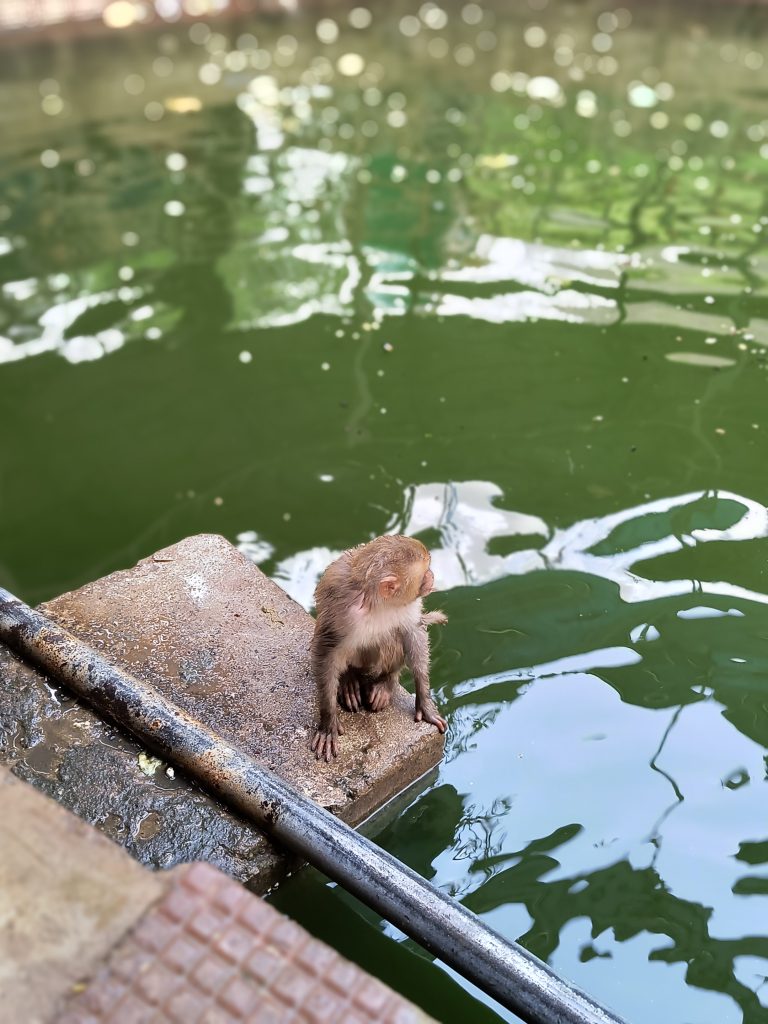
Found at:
[350, 694]
[380, 692]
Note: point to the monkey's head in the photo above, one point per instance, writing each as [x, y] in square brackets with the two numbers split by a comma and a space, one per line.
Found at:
[395, 570]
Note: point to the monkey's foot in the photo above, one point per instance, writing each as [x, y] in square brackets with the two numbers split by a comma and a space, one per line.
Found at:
[326, 743]
[379, 696]
[350, 697]
[428, 713]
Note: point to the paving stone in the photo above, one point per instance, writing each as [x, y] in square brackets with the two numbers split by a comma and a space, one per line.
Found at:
[238, 974]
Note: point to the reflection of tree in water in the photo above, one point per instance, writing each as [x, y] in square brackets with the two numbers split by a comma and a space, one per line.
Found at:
[628, 901]
[67, 221]
[603, 621]
[426, 829]
[655, 834]
[477, 837]
[466, 739]
[193, 284]
[619, 898]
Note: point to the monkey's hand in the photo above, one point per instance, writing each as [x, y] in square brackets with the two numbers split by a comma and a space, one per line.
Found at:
[326, 743]
[434, 619]
[427, 712]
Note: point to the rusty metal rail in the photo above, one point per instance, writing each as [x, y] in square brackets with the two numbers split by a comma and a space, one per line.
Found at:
[501, 968]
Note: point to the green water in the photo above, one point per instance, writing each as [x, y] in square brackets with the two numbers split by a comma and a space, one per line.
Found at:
[492, 277]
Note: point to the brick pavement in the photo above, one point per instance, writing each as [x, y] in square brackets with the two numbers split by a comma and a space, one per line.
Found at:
[211, 952]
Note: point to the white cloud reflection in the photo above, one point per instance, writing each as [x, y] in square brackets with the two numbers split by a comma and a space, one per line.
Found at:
[467, 517]
[54, 324]
[543, 267]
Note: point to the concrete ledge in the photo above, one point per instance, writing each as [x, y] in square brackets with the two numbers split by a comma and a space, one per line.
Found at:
[89, 936]
[66, 895]
[214, 634]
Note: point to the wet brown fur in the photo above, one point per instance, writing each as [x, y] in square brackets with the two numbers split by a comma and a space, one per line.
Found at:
[370, 625]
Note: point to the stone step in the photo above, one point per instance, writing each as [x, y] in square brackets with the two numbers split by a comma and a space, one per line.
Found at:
[205, 626]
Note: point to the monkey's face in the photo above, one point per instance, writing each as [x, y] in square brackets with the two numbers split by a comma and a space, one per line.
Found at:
[417, 582]
[427, 583]
[394, 569]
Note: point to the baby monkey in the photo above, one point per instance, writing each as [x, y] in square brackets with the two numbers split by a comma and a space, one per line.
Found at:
[370, 625]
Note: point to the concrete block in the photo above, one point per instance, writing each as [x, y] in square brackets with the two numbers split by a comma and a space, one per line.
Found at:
[67, 895]
[215, 635]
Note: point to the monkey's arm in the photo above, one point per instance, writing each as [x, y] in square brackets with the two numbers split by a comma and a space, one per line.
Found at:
[436, 618]
[327, 666]
[416, 649]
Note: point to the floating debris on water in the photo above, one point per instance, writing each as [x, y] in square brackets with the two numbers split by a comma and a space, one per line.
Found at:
[149, 764]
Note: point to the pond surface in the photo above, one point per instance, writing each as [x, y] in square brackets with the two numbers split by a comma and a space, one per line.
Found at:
[496, 279]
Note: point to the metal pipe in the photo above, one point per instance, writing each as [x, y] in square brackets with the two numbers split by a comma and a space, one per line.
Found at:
[501, 968]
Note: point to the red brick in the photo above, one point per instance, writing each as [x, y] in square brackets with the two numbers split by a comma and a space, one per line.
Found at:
[182, 954]
[289, 936]
[264, 964]
[317, 957]
[180, 904]
[202, 878]
[293, 985]
[257, 914]
[323, 1008]
[211, 973]
[184, 1006]
[216, 1015]
[404, 1013]
[344, 976]
[230, 897]
[132, 1011]
[234, 943]
[372, 996]
[157, 984]
[270, 1012]
[354, 1016]
[235, 960]
[104, 993]
[206, 924]
[239, 996]
[131, 960]
[154, 932]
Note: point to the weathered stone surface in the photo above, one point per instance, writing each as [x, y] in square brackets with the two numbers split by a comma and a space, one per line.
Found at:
[204, 625]
[68, 752]
[67, 895]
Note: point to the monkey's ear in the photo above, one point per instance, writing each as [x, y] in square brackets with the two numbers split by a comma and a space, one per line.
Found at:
[388, 586]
